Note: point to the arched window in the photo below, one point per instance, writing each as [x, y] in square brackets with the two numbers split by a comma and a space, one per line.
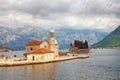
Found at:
[45, 46]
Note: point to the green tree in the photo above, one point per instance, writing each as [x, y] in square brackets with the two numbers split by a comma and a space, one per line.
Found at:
[75, 43]
[86, 44]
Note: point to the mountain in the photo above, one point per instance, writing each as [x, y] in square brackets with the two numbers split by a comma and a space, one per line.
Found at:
[111, 40]
[16, 38]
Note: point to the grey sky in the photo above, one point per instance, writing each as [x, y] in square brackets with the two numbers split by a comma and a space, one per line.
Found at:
[79, 14]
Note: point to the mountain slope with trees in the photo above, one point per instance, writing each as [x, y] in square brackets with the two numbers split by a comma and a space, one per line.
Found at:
[111, 40]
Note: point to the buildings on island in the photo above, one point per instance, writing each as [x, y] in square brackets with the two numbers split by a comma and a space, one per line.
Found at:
[42, 51]
[79, 47]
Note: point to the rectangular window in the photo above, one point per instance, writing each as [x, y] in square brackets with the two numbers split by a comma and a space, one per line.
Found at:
[33, 58]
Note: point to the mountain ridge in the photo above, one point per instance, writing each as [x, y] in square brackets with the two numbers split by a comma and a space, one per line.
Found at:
[18, 37]
[111, 40]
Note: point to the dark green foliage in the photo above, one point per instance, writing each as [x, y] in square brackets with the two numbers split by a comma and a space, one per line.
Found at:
[75, 43]
[81, 44]
[86, 44]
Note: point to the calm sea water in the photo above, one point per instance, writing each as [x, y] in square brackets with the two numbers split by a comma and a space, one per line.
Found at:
[103, 64]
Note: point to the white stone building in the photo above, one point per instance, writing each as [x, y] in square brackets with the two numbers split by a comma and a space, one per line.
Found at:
[51, 45]
[40, 54]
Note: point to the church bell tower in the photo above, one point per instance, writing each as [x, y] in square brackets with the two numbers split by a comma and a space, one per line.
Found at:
[53, 45]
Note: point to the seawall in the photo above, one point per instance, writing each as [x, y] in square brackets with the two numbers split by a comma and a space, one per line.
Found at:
[22, 63]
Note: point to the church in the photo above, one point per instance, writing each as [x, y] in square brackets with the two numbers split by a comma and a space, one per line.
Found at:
[42, 51]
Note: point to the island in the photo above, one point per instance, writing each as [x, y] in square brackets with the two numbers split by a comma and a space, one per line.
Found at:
[5, 49]
[38, 52]
[79, 47]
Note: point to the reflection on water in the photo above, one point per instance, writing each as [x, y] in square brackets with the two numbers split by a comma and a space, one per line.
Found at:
[103, 64]
[43, 72]
[29, 72]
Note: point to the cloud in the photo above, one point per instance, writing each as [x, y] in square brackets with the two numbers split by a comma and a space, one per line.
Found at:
[79, 14]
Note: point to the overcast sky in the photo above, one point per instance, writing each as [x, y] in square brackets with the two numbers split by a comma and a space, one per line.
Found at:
[79, 14]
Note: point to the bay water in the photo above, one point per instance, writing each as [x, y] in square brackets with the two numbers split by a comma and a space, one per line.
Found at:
[103, 64]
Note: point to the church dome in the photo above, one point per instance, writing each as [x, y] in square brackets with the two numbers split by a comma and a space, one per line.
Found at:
[51, 30]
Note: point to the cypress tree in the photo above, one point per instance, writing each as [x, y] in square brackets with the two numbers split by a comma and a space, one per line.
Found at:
[86, 44]
[79, 45]
[75, 43]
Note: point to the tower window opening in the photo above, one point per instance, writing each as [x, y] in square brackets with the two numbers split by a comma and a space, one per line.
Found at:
[31, 49]
[45, 46]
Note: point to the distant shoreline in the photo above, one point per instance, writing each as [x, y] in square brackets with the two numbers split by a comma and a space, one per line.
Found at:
[108, 48]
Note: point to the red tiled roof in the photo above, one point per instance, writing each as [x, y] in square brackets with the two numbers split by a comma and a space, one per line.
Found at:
[41, 51]
[47, 41]
[74, 46]
[33, 42]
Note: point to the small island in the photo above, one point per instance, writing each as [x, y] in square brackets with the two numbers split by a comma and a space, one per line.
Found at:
[79, 47]
[38, 52]
[5, 49]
